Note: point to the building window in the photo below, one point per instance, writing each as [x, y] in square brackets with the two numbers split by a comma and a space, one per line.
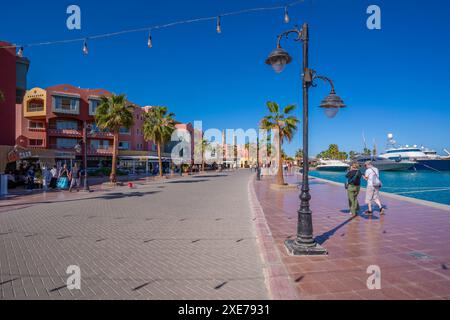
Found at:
[153, 147]
[124, 131]
[124, 145]
[99, 144]
[62, 143]
[35, 106]
[66, 125]
[36, 142]
[93, 105]
[36, 125]
[66, 104]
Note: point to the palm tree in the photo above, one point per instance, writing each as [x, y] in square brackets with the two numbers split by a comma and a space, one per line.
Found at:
[299, 154]
[112, 114]
[158, 127]
[205, 146]
[285, 124]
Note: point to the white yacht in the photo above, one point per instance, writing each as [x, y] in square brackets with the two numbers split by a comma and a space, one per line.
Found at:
[384, 164]
[332, 165]
[426, 159]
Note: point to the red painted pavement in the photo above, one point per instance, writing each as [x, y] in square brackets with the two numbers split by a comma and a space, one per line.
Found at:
[355, 244]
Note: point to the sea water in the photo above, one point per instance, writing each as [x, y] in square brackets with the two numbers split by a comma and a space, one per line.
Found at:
[424, 185]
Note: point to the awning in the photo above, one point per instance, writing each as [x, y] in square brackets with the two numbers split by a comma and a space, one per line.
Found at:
[9, 154]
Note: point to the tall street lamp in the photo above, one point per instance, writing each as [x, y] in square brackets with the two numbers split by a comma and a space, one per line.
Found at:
[258, 169]
[78, 149]
[304, 244]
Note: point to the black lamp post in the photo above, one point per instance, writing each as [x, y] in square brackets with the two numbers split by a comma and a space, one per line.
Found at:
[258, 169]
[304, 244]
[78, 148]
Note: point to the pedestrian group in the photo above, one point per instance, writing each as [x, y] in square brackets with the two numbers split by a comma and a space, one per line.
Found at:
[353, 186]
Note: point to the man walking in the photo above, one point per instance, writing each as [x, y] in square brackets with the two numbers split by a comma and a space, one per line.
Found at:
[76, 177]
[353, 187]
[374, 185]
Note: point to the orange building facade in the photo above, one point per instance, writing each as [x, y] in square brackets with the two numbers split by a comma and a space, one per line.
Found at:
[54, 118]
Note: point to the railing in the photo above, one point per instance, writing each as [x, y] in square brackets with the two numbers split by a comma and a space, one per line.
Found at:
[75, 111]
[65, 132]
[100, 151]
[36, 129]
[90, 150]
[99, 134]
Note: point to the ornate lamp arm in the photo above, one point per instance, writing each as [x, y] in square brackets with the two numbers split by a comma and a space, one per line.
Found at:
[315, 76]
[296, 31]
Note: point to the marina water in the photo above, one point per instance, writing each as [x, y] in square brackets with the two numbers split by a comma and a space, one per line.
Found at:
[424, 185]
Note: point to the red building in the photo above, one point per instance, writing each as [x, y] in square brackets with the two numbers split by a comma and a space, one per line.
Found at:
[13, 72]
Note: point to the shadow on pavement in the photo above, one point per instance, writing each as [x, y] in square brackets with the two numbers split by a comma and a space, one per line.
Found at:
[213, 176]
[109, 196]
[187, 181]
[327, 235]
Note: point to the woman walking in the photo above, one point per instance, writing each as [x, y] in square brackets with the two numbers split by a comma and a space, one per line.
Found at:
[353, 186]
[63, 180]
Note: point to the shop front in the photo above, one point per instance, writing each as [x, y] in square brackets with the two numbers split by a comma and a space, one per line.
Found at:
[141, 162]
[16, 161]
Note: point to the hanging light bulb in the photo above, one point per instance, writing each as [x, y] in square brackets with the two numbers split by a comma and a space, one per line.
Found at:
[20, 52]
[219, 28]
[85, 48]
[149, 42]
[286, 15]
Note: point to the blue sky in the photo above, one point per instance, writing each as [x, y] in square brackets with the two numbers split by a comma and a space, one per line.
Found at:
[393, 80]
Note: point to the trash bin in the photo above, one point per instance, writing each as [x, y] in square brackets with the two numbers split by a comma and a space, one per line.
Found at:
[3, 185]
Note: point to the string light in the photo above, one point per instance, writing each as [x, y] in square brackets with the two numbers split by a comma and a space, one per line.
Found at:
[85, 47]
[171, 24]
[20, 52]
[219, 28]
[149, 42]
[286, 15]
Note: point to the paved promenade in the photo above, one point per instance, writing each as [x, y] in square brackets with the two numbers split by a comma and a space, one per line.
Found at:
[410, 245]
[184, 238]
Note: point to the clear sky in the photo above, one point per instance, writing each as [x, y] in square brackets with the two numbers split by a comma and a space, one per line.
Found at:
[394, 80]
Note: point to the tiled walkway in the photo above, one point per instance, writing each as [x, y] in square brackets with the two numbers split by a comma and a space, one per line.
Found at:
[411, 245]
[189, 238]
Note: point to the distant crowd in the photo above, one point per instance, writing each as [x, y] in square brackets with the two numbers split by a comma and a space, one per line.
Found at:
[45, 177]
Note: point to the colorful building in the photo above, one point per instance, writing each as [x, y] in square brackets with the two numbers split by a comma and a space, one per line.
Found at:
[55, 119]
[13, 82]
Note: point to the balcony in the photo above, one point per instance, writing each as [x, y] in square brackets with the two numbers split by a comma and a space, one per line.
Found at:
[34, 103]
[36, 129]
[101, 135]
[66, 104]
[92, 151]
[34, 111]
[70, 133]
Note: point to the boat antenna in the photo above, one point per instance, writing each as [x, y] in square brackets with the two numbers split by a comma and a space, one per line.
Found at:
[364, 141]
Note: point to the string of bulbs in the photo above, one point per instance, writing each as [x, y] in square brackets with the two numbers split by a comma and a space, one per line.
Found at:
[218, 18]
